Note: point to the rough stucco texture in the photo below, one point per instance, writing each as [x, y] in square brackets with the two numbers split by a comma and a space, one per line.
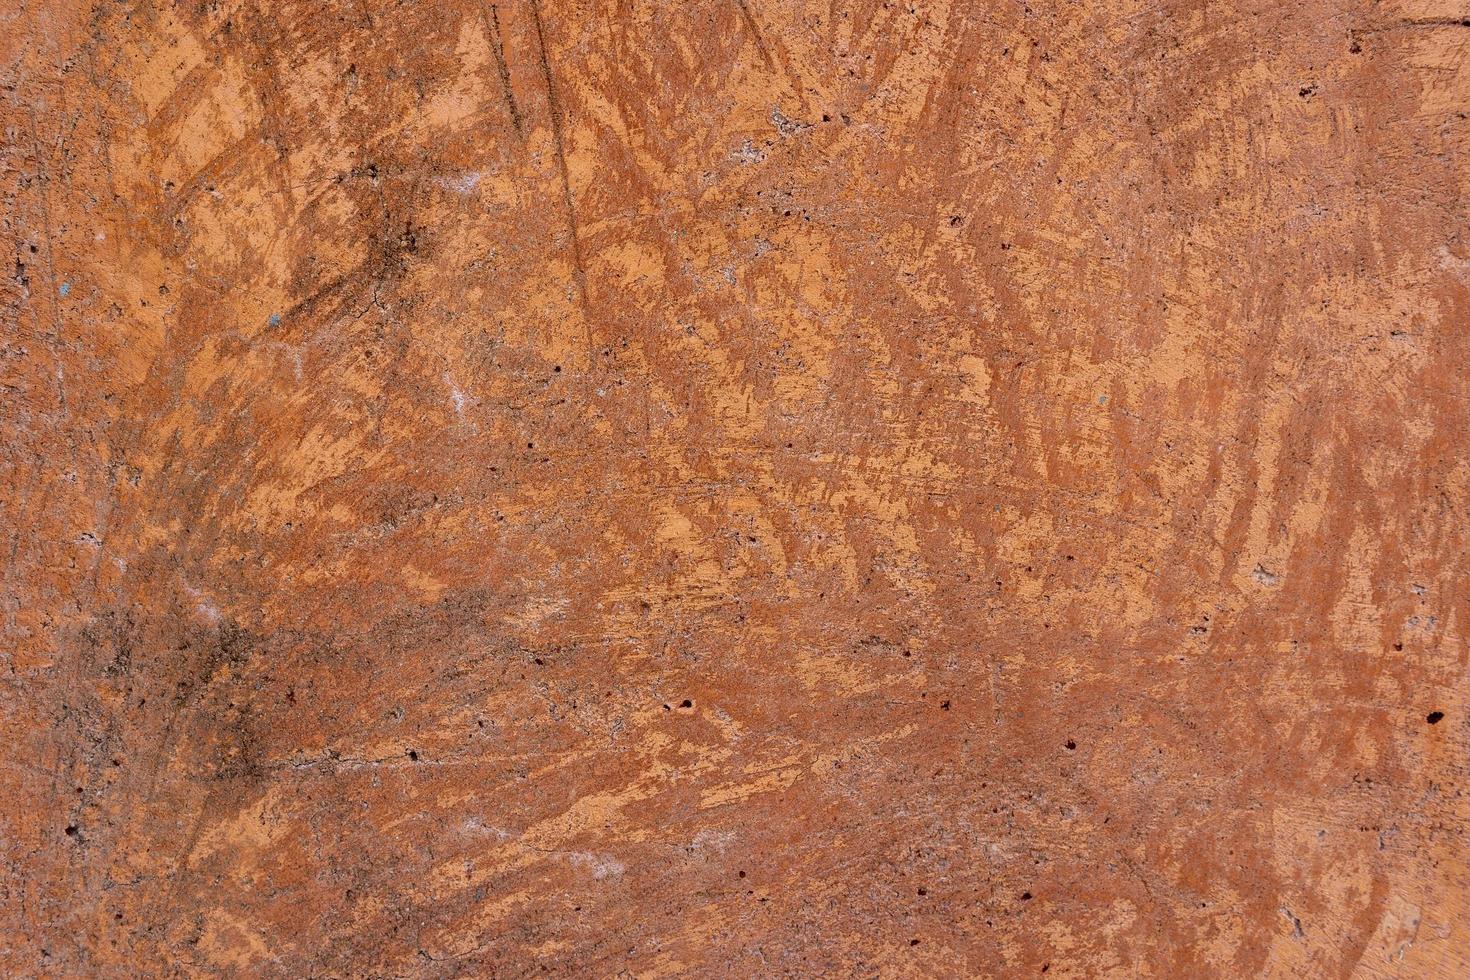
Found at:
[734, 488]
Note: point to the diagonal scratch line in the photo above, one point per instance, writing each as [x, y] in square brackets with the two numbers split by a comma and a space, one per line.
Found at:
[755, 33]
[554, 104]
[497, 45]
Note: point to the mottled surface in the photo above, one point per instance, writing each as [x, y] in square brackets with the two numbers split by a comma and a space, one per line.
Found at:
[735, 488]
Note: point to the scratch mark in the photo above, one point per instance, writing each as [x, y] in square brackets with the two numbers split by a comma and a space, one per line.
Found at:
[1432, 22]
[1408, 24]
[554, 104]
[755, 33]
[497, 45]
[191, 843]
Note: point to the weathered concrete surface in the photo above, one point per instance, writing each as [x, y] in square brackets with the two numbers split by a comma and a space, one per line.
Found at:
[735, 488]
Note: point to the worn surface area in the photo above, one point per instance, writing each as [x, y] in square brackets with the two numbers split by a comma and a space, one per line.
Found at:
[734, 488]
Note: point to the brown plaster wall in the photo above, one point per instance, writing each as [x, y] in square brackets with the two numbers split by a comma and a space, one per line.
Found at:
[734, 488]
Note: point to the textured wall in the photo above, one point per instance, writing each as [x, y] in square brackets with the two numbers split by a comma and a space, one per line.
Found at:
[734, 488]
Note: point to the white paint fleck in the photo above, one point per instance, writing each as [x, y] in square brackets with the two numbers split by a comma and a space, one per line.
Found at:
[601, 865]
[464, 183]
[455, 395]
[1450, 262]
[747, 154]
[204, 606]
[474, 825]
[712, 840]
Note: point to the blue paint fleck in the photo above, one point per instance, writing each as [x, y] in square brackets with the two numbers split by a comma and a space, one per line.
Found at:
[64, 289]
[275, 320]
